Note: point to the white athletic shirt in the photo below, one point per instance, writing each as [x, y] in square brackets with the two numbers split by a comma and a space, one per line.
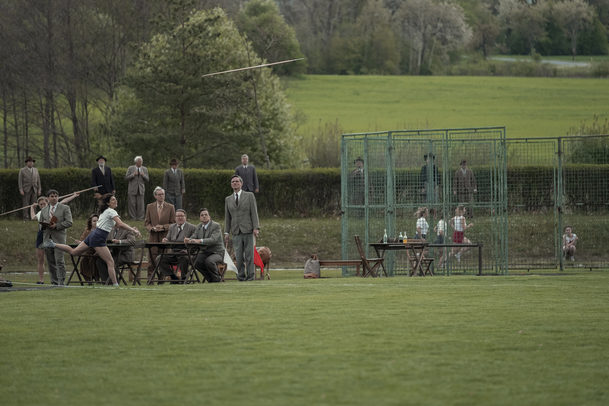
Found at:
[422, 223]
[570, 239]
[106, 220]
[458, 223]
[441, 226]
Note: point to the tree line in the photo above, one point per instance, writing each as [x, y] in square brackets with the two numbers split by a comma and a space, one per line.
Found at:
[124, 77]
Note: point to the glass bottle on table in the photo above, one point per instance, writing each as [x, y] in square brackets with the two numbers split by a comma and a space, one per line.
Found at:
[385, 237]
[400, 238]
[405, 238]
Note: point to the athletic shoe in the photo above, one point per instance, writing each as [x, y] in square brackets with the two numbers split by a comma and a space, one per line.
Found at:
[572, 259]
[47, 244]
[458, 257]
[39, 283]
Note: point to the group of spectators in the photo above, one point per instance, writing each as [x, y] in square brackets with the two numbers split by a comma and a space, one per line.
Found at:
[165, 219]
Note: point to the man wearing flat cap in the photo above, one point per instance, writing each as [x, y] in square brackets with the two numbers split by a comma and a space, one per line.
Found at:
[29, 185]
[101, 178]
[173, 183]
[464, 187]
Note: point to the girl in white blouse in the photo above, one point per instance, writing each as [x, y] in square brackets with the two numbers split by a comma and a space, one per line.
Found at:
[97, 239]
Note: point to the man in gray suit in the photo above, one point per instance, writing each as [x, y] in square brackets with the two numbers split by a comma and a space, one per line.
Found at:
[29, 185]
[241, 219]
[248, 174]
[136, 176]
[173, 183]
[208, 233]
[56, 231]
[120, 255]
[178, 232]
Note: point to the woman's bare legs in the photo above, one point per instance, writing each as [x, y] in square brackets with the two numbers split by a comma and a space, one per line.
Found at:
[465, 249]
[104, 253]
[82, 247]
[40, 255]
[441, 252]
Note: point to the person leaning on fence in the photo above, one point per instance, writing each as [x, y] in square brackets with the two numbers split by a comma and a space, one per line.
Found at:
[177, 232]
[173, 183]
[29, 184]
[208, 233]
[97, 239]
[464, 187]
[136, 176]
[569, 239]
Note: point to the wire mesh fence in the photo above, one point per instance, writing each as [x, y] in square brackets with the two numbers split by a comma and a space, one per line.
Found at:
[515, 196]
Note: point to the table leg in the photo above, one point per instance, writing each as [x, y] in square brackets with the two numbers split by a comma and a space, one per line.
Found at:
[75, 262]
[381, 254]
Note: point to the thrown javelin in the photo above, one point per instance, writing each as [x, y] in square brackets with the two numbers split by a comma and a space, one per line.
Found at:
[252, 67]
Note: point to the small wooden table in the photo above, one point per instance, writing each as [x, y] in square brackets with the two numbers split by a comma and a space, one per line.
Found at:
[412, 249]
[76, 262]
[190, 250]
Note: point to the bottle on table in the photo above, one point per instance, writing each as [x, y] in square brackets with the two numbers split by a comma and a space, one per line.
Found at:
[401, 238]
[385, 237]
[405, 238]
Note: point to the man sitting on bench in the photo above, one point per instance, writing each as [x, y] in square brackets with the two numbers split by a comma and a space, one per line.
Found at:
[176, 233]
[209, 234]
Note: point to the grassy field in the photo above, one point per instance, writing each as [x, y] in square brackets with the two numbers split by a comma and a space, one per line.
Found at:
[528, 107]
[460, 340]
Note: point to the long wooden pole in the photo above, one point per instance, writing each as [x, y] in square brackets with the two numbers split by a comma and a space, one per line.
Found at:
[252, 67]
[60, 197]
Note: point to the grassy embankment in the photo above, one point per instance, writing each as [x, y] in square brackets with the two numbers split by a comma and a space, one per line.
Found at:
[469, 340]
[528, 107]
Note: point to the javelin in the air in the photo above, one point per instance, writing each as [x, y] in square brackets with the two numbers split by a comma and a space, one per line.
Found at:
[253, 67]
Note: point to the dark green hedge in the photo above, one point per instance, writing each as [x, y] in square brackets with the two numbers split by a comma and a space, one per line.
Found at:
[282, 193]
[310, 192]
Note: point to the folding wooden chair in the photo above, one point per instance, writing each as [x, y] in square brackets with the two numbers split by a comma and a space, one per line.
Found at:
[135, 266]
[370, 265]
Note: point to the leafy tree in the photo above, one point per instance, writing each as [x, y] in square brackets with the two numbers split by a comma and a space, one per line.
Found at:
[272, 39]
[574, 16]
[593, 41]
[377, 41]
[485, 27]
[167, 109]
[528, 20]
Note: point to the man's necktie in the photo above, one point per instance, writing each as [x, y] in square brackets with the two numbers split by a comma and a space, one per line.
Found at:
[115, 233]
[179, 232]
[158, 212]
[236, 199]
[52, 212]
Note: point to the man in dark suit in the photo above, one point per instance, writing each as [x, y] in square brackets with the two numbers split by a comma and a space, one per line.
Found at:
[208, 233]
[120, 255]
[432, 197]
[241, 219]
[173, 183]
[101, 176]
[248, 174]
[56, 231]
[177, 232]
[464, 187]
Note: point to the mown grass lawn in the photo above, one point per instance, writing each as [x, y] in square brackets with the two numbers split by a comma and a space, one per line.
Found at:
[528, 107]
[456, 340]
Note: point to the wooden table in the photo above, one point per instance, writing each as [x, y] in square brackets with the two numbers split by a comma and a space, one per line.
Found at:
[76, 262]
[414, 248]
[191, 250]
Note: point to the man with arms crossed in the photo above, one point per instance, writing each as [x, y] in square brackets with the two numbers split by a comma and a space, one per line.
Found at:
[55, 231]
[173, 183]
[208, 233]
[177, 232]
[29, 185]
[241, 219]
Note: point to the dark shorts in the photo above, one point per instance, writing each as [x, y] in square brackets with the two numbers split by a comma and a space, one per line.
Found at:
[418, 237]
[39, 238]
[439, 239]
[97, 238]
[458, 237]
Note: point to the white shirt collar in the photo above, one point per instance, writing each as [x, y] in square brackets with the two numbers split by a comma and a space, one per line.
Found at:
[239, 193]
[463, 171]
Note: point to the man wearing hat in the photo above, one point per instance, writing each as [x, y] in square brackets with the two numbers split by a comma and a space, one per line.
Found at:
[29, 185]
[173, 183]
[357, 186]
[101, 176]
[464, 187]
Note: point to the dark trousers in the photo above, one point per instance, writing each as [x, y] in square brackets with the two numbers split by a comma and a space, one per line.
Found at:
[207, 264]
[167, 261]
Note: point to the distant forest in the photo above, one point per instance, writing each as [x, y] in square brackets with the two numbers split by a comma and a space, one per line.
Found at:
[79, 77]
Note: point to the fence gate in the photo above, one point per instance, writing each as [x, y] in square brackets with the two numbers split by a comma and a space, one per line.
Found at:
[387, 176]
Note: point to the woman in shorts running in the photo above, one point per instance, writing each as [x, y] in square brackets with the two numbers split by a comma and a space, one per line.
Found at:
[440, 230]
[108, 217]
[459, 225]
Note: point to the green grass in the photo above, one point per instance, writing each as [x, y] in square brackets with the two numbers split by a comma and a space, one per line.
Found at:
[528, 107]
[460, 340]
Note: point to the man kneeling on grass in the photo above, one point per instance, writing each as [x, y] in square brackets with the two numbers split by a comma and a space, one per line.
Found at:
[208, 233]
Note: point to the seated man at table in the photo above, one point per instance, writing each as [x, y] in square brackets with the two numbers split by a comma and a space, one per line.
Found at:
[120, 255]
[209, 234]
[177, 232]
